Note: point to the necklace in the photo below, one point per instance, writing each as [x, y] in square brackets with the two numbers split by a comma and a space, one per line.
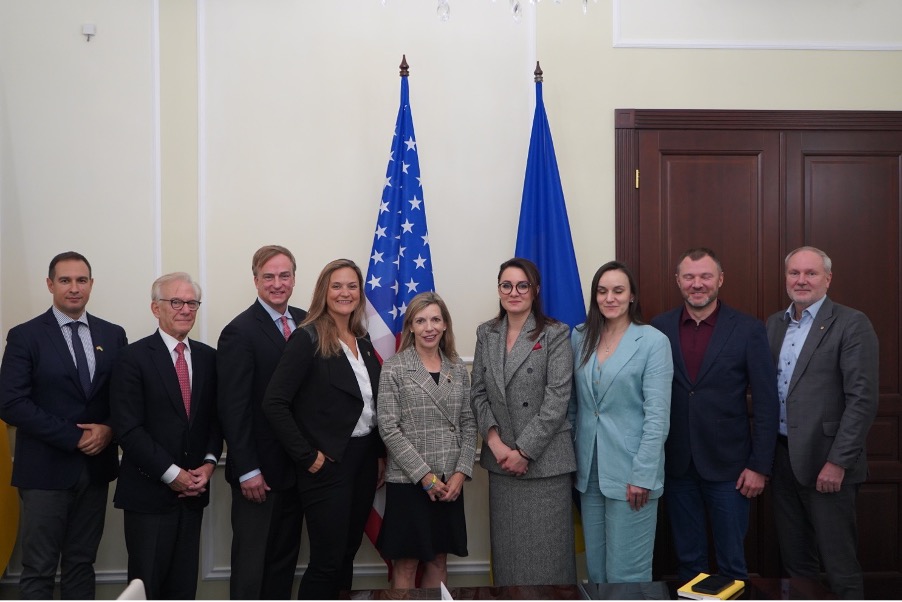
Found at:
[613, 341]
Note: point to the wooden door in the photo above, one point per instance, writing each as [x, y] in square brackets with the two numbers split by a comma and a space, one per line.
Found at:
[754, 185]
[843, 196]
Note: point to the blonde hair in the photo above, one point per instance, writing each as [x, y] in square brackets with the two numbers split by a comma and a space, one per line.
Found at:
[418, 304]
[327, 344]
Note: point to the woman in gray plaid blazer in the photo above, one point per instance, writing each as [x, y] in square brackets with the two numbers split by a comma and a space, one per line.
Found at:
[522, 371]
[430, 434]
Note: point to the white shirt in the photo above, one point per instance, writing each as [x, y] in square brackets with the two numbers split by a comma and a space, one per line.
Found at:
[367, 420]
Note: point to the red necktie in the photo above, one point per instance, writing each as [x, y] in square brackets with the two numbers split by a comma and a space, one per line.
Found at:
[286, 332]
[181, 369]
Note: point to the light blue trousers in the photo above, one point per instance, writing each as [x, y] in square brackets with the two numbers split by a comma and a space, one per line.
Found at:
[620, 541]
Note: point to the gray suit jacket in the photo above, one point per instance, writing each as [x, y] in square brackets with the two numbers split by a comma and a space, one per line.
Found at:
[426, 427]
[526, 396]
[833, 393]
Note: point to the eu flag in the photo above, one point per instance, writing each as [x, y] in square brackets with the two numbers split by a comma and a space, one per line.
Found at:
[544, 232]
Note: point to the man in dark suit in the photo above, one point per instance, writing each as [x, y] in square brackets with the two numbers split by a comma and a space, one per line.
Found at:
[714, 461]
[55, 391]
[266, 508]
[827, 360]
[163, 401]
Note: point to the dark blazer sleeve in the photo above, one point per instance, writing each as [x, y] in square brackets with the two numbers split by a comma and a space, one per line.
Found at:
[20, 403]
[858, 363]
[204, 393]
[284, 386]
[765, 400]
[129, 388]
[236, 363]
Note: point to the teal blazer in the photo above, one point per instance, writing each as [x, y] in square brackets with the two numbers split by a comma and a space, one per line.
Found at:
[625, 412]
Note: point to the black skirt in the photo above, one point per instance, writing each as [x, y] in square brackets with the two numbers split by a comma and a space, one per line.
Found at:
[414, 526]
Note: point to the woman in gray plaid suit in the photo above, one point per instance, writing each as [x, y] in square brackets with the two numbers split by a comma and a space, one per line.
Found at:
[429, 431]
[522, 372]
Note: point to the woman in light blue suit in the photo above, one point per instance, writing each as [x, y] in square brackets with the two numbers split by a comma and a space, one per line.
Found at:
[620, 411]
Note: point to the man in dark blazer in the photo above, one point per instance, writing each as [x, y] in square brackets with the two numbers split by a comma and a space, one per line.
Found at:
[714, 462]
[266, 508]
[55, 391]
[163, 401]
[827, 360]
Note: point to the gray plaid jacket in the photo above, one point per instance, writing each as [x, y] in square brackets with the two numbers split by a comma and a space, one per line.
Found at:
[425, 426]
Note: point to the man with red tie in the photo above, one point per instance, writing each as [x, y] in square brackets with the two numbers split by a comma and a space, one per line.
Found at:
[266, 507]
[163, 403]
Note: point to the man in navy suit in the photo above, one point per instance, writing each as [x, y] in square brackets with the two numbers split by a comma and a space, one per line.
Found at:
[55, 391]
[266, 507]
[827, 358]
[163, 400]
[714, 461]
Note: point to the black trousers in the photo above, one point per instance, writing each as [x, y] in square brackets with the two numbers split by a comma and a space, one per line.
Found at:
[266, 539]
[164, 551]
[61, 528]
[337, 502]
[815, 527]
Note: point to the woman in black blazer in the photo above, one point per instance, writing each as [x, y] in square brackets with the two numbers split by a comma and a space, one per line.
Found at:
[321, 402]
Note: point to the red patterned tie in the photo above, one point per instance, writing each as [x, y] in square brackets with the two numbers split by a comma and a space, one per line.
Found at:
[181, 369]
[286, 332]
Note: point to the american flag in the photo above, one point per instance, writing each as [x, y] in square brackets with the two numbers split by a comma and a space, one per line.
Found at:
[400, 265]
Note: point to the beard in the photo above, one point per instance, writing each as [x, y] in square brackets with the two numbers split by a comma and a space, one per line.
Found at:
[702, 303]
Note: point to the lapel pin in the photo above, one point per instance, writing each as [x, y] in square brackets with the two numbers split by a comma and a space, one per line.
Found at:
[98, 348]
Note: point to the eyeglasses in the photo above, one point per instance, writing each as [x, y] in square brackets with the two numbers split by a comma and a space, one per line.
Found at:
[178, 304]
[507, 288]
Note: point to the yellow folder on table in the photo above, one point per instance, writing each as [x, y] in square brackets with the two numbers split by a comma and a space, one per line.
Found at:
[729, 593]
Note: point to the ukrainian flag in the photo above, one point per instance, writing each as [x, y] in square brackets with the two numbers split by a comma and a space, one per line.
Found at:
[9, 501]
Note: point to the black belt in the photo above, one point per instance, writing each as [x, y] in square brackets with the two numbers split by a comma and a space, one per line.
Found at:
[782, 440]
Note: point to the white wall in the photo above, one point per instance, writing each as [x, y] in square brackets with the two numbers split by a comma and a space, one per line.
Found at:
[187, 134]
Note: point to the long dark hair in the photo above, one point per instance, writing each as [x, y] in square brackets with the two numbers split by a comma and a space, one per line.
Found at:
[595, 319]
[535, 281]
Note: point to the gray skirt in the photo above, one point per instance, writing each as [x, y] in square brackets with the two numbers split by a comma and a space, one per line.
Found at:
[531, 530]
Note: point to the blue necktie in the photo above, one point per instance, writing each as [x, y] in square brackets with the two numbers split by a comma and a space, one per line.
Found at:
[81, 359]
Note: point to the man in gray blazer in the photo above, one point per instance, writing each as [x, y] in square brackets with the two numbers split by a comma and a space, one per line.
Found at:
[826, 357]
